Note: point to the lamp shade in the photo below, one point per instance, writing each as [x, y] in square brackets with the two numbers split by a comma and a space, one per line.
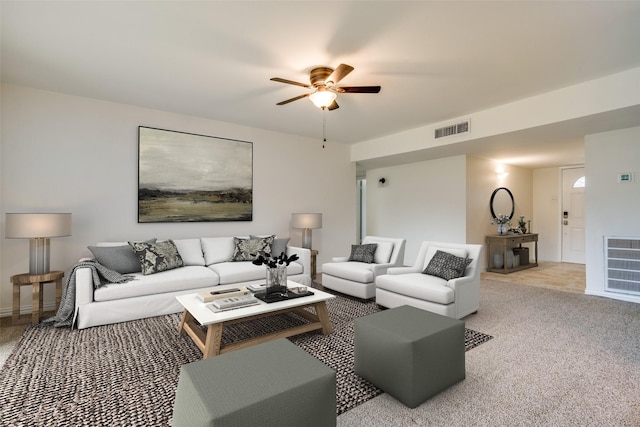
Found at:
[322, 98]
[306, 220]
[36, 225]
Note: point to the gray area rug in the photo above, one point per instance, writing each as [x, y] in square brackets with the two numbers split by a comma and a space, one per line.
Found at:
[126, 374]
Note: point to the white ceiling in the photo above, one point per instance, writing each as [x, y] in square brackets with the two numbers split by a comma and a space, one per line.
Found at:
[434, 60]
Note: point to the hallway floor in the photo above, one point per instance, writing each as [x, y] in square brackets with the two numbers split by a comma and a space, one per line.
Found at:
[560, 276]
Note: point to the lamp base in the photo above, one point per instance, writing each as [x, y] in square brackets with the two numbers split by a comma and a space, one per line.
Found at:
[306, 238]
[39, 255]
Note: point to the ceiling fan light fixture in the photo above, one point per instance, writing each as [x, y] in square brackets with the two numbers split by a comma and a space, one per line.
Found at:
[322, 98]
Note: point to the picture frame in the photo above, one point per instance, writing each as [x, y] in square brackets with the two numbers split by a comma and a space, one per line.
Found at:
[186, 177]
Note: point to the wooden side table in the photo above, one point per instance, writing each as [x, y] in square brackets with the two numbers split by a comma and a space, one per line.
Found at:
[35, 281]
[314, 254]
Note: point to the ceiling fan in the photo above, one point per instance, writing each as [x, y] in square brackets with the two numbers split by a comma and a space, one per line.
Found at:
[324, 82]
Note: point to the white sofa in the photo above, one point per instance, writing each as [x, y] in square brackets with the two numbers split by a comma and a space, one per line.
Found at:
[206, 264]
[455, 298]
[358, 278]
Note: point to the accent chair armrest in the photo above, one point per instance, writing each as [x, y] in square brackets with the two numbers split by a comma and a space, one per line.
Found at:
[402, 270]
[340, 259]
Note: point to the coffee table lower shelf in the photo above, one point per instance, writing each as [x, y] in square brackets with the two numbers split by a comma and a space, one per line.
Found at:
[210, 342]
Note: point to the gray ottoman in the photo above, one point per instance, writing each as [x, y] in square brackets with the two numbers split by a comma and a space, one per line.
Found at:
[271, 384]
[410, 353]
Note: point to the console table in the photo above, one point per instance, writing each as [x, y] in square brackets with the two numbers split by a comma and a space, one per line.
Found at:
[501, 244]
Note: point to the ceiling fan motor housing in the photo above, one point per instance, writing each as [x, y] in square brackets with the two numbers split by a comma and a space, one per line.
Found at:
[318, 76]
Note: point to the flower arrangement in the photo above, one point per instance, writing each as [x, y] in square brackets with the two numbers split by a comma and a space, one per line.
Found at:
[521, 222]
[501, 220]
[273, 262]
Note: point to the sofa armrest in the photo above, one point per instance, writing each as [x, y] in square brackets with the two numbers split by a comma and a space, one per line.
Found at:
[84, 286]
[340, 259]
[402, 270]
[304, 257]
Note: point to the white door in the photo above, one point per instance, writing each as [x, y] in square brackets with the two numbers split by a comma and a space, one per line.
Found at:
[572, 215]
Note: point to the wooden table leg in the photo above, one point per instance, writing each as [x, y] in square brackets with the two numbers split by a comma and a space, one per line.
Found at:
[213, 340]
[323, 316]
[183, 319]
[16, 305]
[37, 302]
[58, 292]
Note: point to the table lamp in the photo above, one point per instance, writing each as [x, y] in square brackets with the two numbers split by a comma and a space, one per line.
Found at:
[306, 221]
[38, 227]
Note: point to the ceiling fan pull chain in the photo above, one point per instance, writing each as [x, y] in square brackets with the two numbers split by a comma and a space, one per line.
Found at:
[324, 126]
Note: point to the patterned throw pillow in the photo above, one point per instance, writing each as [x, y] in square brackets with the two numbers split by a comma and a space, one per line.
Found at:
[363, 253]
[251, 249]
[157, 257]
[447, 266]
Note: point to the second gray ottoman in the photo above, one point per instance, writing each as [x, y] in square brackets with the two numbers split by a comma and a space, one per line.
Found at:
[271, 384]
[410, 353]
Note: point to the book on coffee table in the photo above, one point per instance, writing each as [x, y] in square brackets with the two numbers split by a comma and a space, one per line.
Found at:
[216, 294]
[233, 302]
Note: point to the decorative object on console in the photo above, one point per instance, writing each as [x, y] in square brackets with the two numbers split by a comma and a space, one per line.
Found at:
[39, 228]
[522, 224]
[502, 221]
[306, 221]
[184, 177]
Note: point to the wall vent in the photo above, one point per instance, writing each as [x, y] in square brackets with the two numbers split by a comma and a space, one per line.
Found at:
[622, 265]
[455, 129]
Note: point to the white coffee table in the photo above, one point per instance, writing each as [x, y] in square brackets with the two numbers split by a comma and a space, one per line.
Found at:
[198, 313]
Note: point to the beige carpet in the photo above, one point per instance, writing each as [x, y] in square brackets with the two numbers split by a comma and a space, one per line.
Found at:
[556, 359]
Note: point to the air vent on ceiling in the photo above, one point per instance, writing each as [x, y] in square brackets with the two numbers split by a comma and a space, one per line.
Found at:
[455, 129]
[622, 258]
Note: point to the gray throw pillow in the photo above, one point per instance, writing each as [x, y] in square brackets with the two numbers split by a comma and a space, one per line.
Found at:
[118, 258]
[157, 257]
[251, 249]
[446, 266]
[363, 253]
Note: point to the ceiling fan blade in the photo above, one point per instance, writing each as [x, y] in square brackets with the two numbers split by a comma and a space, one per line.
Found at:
[358, 89]
[338, 74]
[333, 105]
[293, 99]
[290, 82]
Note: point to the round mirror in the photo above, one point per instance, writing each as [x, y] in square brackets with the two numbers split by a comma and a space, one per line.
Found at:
[502, 203]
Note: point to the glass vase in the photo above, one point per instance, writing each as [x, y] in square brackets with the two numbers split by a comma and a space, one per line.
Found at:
[502, 229]
[276, 281]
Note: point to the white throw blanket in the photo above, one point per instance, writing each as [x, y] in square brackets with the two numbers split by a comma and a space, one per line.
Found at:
[101, 276]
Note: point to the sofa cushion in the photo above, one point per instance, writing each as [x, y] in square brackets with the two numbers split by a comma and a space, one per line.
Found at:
[354, 271]
[383, 252]
[245, 271]
[190, 251]
[251, 249]
[363, 253]
[446, 266]
[217, 249]
[185, 278]
[157, 257]
[419, 286]
[431, 251]
[118, 256]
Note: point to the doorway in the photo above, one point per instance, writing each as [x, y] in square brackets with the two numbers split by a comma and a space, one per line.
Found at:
[572, 215]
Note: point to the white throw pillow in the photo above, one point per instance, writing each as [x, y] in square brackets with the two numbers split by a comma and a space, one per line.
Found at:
[217, 249]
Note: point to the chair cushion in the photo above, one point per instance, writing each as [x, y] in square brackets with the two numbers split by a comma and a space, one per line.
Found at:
[419, 286]
[383, 252]
[354, 271]
[363, 253]
[446, 265]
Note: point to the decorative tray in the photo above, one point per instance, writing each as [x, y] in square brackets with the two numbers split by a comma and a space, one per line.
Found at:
[277, 297]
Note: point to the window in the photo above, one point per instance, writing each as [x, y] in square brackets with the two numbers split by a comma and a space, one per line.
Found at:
[579, 182]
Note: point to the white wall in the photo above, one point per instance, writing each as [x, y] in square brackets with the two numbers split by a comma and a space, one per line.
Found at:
[419, 201]
[546, 213]
[63, 153]
[611, 208]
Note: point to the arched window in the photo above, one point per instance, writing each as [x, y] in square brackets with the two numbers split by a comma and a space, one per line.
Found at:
[579, 183]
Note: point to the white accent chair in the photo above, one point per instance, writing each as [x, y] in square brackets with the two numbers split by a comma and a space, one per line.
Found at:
[455, 298]
[358, 278]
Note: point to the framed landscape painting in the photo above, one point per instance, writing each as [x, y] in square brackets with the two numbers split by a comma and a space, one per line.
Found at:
[184, 177]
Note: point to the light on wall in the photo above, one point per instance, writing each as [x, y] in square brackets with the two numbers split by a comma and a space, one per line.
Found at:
[306, 221]
[502, 174]
[38, 228]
